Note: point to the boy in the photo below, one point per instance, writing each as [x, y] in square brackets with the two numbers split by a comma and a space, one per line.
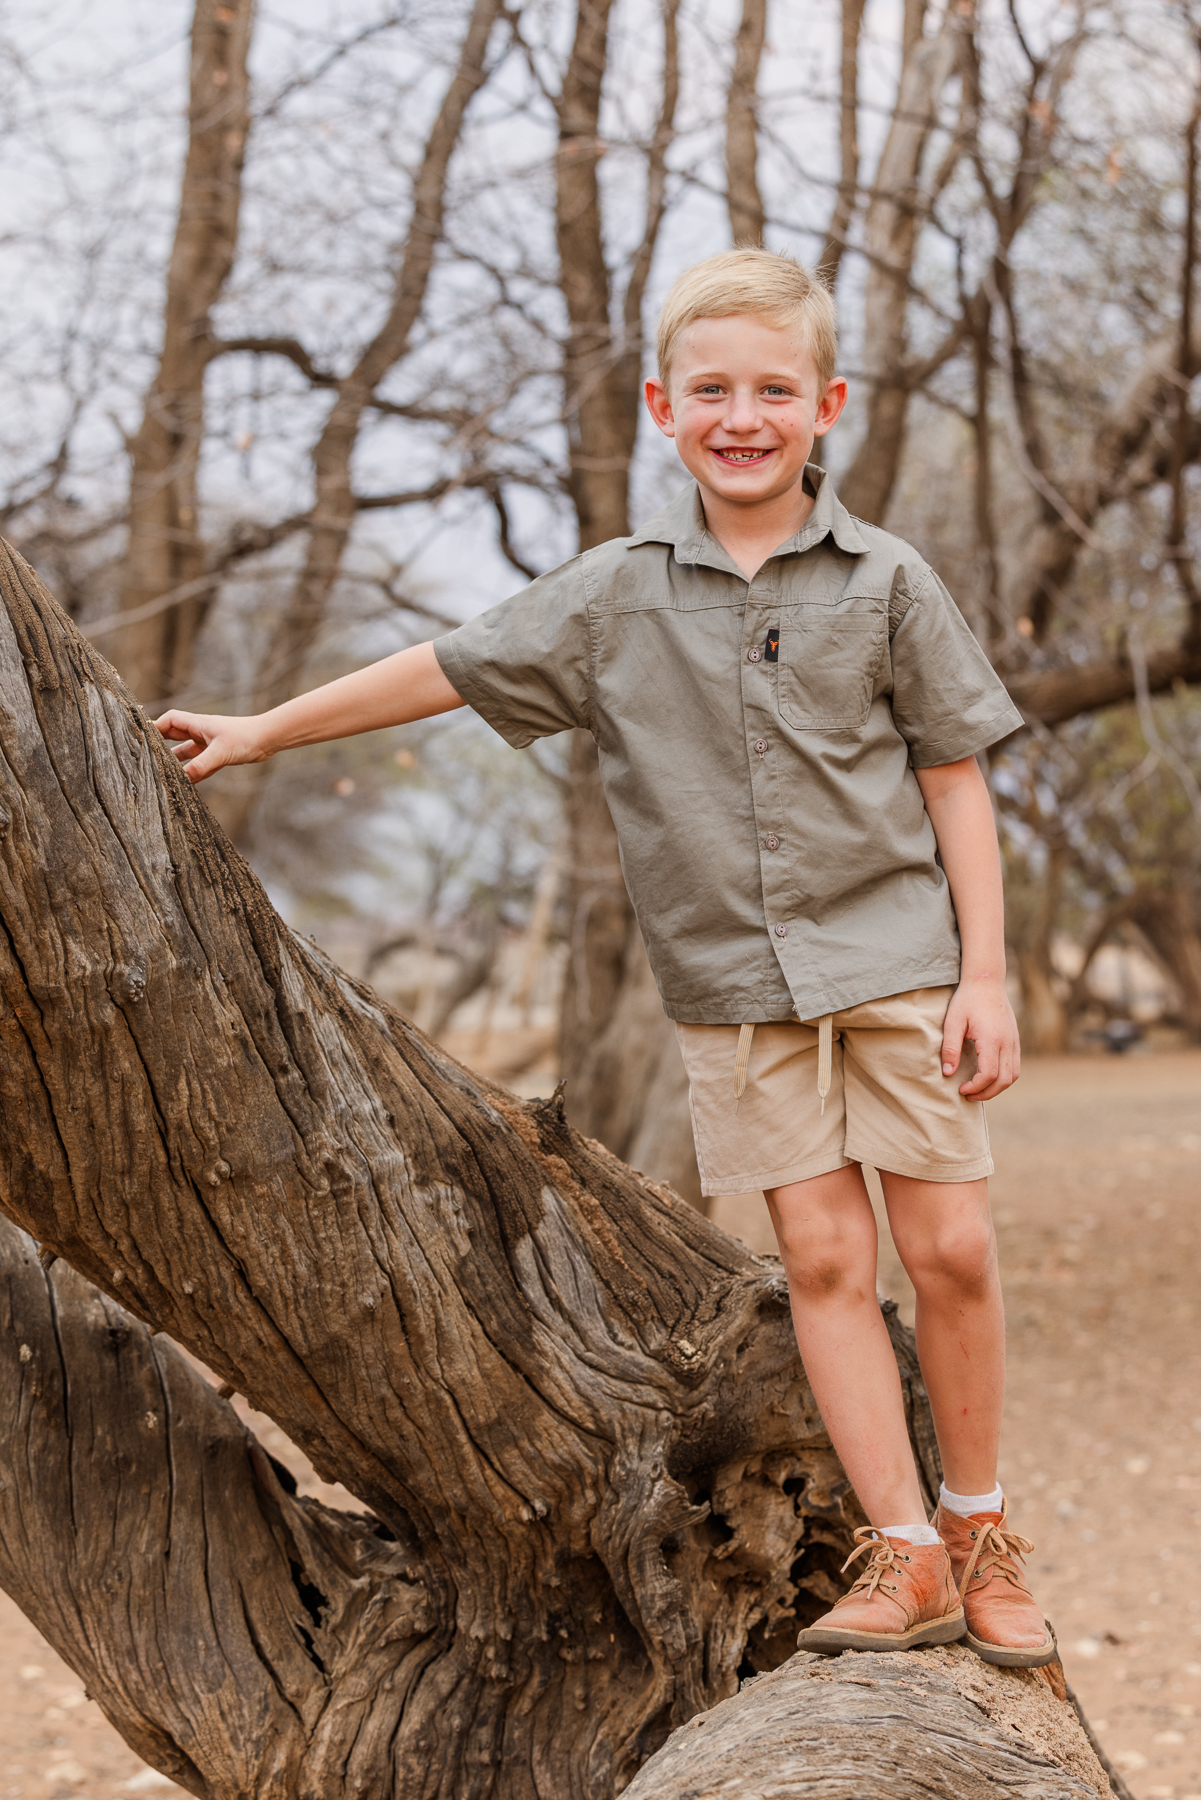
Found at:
[788, 708]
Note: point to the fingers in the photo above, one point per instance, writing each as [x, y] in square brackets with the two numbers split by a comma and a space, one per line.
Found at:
[202, 763]
[996, 1069]
[954, 1027]
[177, 724]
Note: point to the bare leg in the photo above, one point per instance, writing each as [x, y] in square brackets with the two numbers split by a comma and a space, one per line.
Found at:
[944, 1237]
[827, 1236]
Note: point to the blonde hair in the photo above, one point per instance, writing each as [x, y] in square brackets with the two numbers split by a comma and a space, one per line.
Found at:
[769, 285]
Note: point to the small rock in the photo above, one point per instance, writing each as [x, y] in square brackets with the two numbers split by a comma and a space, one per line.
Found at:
[70, 1772]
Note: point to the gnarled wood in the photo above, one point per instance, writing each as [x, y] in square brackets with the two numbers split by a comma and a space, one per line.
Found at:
[931, 1725]
[241, 1640]
[575, 1405]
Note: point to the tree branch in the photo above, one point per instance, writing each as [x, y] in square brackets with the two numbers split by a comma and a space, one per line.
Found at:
[1053, 695]
[255, 1602]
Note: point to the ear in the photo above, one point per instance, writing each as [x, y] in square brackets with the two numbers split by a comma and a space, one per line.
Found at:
[659, 406]
[830, 406]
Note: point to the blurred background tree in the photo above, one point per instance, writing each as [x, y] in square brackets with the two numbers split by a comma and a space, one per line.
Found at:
[323, 330]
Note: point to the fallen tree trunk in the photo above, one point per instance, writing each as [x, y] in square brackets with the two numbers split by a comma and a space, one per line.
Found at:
[574, 1407]
[930, 1725]
[600, 1492]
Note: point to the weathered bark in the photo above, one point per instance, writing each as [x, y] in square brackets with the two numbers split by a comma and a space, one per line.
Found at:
[165, 550]
[574, 1404]
[933, 1725]
[242, 1641]
[743, 198]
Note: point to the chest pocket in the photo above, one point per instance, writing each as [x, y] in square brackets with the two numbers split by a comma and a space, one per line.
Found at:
[828, 667]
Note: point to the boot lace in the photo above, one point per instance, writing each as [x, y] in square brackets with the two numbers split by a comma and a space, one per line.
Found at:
[880, 1561]
[997, 1550]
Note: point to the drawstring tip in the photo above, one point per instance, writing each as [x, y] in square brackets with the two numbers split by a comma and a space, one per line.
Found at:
[742, 1062]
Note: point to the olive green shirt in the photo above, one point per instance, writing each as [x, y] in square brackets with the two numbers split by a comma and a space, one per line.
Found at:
[758, 741]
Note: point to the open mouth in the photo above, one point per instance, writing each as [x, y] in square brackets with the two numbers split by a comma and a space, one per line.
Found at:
[739, 459]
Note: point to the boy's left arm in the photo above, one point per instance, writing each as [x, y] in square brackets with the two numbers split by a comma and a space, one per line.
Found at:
[960, 810]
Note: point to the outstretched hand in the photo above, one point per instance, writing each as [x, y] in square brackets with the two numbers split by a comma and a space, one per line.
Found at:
[980, 1010]
[206, 742]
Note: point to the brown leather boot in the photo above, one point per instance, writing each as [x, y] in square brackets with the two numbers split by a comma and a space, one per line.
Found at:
[1005, 1625]
[905, 1596]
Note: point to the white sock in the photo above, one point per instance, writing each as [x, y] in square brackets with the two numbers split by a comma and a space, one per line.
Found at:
[912, 1534]
[964, 1505]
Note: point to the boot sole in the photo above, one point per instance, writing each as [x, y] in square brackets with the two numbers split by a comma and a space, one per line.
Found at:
[1006, 1658]
[947, 1630]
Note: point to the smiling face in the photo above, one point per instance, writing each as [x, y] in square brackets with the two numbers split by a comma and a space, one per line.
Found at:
[742, 402]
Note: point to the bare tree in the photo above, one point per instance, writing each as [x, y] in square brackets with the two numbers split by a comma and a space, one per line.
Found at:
[165, 553]
[742, 127]
[618, 1054]
[898, 207]
[847, 202]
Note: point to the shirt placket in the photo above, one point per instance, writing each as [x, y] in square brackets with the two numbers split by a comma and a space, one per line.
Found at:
[768, 778]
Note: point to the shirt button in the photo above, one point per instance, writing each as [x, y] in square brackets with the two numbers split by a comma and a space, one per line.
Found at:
[754, 653]
[772, 841]
[781, 930]
[760, 746]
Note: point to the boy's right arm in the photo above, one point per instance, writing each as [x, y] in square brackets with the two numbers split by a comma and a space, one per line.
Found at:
[396, 691]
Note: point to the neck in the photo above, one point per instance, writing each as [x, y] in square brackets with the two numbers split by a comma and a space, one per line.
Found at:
[749, 534]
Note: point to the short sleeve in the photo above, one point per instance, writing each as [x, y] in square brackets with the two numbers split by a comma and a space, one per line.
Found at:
[947, 700]
[525, 665]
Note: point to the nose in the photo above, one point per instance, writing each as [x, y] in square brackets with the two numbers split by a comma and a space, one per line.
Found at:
[742, 412]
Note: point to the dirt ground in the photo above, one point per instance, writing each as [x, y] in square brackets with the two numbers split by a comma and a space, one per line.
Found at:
[1096, 1197]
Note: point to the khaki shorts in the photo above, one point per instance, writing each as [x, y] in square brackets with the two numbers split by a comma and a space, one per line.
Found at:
[889, 1102]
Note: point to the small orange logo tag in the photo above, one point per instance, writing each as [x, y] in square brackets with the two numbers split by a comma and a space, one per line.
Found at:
[771, 651]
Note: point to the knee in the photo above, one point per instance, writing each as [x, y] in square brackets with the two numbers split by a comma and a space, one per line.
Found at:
[959, 1259]
[821, 1278]
[826, 1266]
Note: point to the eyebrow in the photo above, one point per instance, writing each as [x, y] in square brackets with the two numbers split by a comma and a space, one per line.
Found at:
[721, 375]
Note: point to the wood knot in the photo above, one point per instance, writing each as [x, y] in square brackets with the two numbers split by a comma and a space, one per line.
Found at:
[129, 983]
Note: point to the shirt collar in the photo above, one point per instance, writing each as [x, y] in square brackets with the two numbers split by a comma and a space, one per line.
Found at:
[682, 524]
